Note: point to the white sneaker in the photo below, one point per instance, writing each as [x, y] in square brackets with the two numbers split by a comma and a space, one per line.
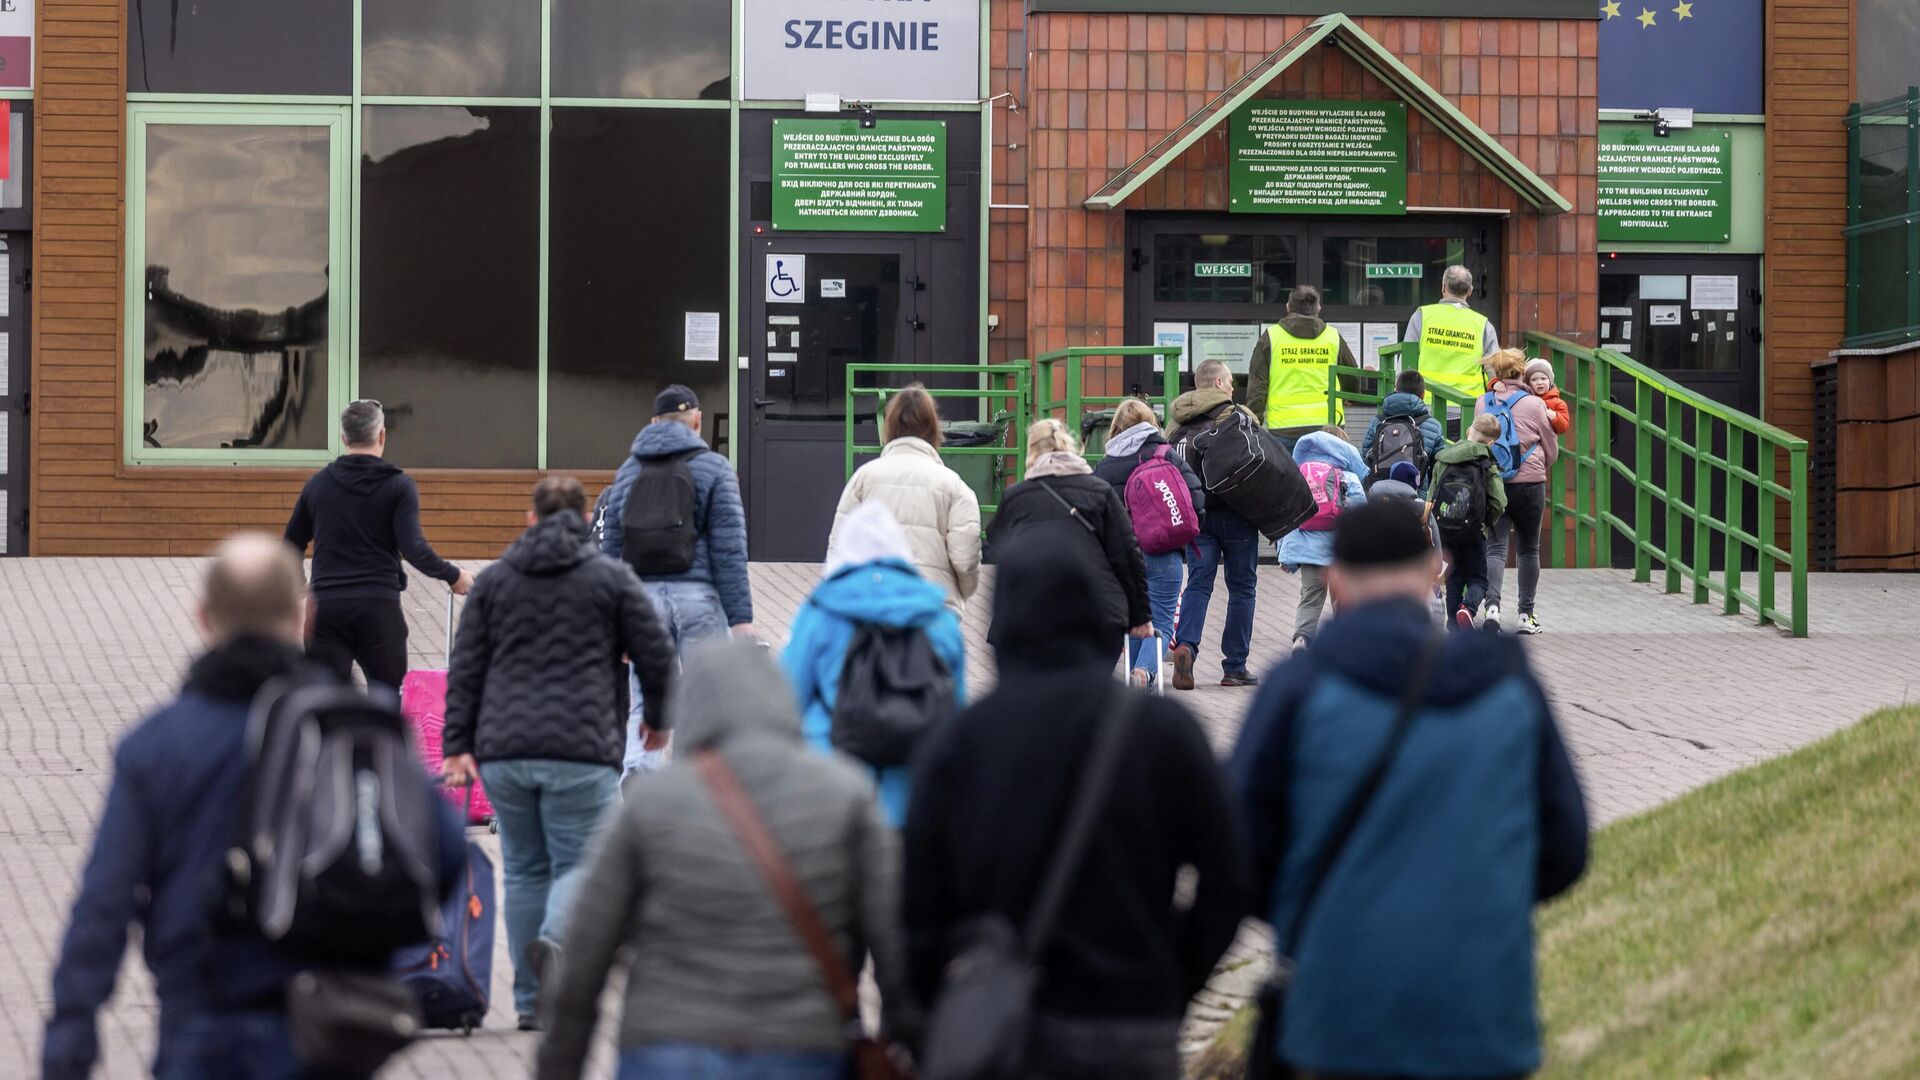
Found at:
[1490, 617]
[1529, 624]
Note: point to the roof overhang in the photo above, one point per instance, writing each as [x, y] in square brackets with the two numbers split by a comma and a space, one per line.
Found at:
[1339, 31]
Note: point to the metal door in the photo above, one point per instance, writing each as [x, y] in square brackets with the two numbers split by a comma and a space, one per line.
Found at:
[16, 398]
[817, 306]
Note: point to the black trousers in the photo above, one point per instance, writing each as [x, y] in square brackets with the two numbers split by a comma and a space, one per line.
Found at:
[365, 631]
[1466, 577]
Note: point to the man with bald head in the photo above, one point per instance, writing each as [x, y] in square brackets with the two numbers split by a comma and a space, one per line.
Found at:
[170, 816]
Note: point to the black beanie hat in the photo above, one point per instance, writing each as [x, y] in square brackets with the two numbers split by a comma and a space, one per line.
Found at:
[1383, 533]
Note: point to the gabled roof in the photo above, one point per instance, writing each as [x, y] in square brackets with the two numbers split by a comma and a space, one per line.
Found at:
[1340, 31]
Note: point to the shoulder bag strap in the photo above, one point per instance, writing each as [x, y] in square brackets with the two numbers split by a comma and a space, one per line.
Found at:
[1369, 786]
[1110, 739]
[751, 828]
[1072, 510]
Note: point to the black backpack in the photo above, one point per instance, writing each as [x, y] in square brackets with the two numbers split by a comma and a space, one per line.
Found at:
[1248, 469]
[1460, 504]
[893, 687]
[1399, 439]
[659, 529]
[337, 853]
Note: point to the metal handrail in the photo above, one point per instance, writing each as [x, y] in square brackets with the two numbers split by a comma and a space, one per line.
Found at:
[1016, 392]
[1075, 399]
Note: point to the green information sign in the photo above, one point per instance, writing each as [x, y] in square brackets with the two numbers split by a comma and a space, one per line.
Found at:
[1219, 270]
[1319, 157]
[1677, 188]
[1394, 270]
[835, 176]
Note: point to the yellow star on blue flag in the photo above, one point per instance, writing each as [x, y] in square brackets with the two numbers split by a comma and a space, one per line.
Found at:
[1612, 9]
[1685, 10]
[1646, 18]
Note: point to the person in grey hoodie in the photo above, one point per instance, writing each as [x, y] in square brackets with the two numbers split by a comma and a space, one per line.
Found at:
[718, 982]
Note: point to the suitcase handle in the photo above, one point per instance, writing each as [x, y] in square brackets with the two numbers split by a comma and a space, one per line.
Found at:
[449, 627]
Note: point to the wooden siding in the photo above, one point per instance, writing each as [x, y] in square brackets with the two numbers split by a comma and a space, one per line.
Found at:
[1810, 64]
[83, 501]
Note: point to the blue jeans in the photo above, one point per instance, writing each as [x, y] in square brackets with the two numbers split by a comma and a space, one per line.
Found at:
[1164, 575]
[1225, 537]
[547, 812]
[686, 1061]
[692, 613]
[230, 1046]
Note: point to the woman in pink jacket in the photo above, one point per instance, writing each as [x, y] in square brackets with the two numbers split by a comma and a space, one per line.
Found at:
[1526, 488]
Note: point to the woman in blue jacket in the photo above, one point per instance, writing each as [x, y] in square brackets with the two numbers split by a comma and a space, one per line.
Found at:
[1309, 553]
[869, 578]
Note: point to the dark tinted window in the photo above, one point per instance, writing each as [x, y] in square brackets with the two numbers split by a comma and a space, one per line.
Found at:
[451, 48]
[240, 46]
[236, 287]
[449, 282]
[1371, 271]
[635, 249]
[1222, 269]
[659, 49]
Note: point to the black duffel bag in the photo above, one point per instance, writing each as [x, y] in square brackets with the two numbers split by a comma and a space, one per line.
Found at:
[1244, 466]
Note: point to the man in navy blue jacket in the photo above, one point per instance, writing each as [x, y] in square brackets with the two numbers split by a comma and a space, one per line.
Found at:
[1416, 955]
[157, 857]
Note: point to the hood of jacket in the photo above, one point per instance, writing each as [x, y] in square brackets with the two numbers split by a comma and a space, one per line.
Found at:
[1058, 463]
[1508, 387]
[1376, 644]
[731, 689]
[1195, 404]
[1331, 449]
[1304, 326]
[1463, 451]
[235, 670]
[362, 474]
[1392, 489]
[1132, 440]
[664, 438]
[1408, 405]
[553, 545]
[910, 446]
[1047, 610]
[869, 534]
[888, 592]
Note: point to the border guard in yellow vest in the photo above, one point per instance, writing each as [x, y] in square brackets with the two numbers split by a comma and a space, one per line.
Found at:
[1287, 375]
[1453, 337]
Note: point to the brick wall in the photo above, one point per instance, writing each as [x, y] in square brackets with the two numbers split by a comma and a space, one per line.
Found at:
[1104, 88]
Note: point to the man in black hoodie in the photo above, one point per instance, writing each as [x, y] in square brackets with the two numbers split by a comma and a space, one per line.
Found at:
[991, 791]
[362, 515]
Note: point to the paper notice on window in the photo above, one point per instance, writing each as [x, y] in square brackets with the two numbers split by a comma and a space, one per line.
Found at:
[3, 454]
[1716, 292]
[1349, 333]
[703, 337]
[1377, 336]
[1224, 341]
[6, 356]
[1663, 315]
[6, 285]
[1170, 334]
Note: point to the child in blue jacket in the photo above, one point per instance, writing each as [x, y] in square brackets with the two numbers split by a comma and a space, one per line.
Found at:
[869, 578]
[1309, 552]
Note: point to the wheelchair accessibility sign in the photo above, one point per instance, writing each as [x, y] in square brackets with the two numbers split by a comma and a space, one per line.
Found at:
[786, 279]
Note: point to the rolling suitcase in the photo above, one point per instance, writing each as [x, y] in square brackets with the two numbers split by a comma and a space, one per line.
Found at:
[423, 698]
[452, 976]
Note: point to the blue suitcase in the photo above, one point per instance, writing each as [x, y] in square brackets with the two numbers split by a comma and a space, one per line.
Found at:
[453, 975]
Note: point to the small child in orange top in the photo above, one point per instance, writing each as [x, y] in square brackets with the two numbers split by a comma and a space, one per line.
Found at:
[1540, 381]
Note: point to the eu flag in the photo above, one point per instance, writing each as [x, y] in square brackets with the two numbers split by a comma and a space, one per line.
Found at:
[1705, 55]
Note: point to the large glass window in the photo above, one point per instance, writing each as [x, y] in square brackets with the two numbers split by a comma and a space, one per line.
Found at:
[449, 282]
[1889, 35]
[659, 49]
[1222, 269]
[451, 48]
[1386, 271]
[235, 247]
[240, 46]
[637, 253]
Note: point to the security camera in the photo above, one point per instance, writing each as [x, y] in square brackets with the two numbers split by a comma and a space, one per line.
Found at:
[1667, 121]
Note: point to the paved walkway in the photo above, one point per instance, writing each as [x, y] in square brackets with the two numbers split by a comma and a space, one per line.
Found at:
[1656, 696]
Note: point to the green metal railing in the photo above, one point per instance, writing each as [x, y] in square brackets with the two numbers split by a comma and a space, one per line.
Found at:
[1015, 390]
[1075, 402]
[1675, 430]
[1454, 409]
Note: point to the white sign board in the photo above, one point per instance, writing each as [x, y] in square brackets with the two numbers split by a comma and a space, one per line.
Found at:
[16, 45]
[786, 278]
[1224, 341]
[833, 288]
[703, 337]
[1170, 333]
[1716, 292]
[920, 50]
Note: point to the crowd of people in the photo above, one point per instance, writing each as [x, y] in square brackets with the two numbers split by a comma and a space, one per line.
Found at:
[742, 832]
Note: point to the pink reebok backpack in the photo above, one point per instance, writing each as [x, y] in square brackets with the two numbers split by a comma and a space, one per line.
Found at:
[1160, 505]
[1326, 483]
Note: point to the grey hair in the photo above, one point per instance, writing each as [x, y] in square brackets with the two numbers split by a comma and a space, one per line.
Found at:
[1457, 281]
[362, 422]
[1212, 371]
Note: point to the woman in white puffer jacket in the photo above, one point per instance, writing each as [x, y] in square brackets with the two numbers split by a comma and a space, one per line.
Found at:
[940, 513]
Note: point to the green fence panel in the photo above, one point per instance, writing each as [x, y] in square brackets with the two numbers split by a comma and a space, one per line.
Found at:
[1074, 402]
[1009, 402]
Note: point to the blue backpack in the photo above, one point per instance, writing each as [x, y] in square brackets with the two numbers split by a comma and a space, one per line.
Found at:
[1507, 455]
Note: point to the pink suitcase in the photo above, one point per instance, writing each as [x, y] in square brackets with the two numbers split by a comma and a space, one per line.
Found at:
[423, 697]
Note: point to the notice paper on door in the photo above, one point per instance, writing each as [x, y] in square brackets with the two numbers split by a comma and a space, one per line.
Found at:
[703, 337]
[1224, 341]
[1716, 292]
[1663, 315]
[1349, 333]
[1174, 334]
[1377, 336]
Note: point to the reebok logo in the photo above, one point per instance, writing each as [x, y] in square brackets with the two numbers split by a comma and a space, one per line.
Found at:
[1173, 505]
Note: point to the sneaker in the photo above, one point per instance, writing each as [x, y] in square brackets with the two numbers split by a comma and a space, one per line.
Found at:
[1140, 679]
[1463, 619]
[530, 1023]
[1529, 624]
[1490, 617]
[1239, 678]
[1301, 644]
[543, 956]
[1182, 657]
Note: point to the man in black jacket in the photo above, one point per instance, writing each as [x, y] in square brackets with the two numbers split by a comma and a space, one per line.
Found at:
[991, 792]
[362, 515]
[535, 707]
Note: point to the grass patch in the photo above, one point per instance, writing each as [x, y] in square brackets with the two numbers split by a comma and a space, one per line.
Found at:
[1765, 926]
